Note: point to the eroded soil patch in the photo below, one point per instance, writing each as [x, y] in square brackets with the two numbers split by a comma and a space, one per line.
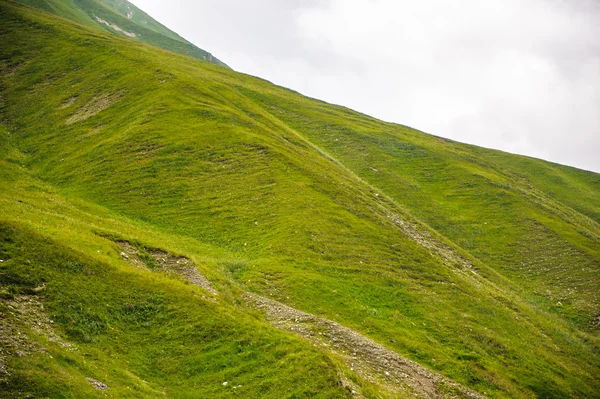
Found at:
[373, 363]
[97, 384]
[95, 106]
[182, 266]
[131, 255]
[166, 262]
[68, 102]
[21, 317]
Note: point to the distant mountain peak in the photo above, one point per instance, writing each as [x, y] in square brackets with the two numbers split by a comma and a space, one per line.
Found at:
[122, 18]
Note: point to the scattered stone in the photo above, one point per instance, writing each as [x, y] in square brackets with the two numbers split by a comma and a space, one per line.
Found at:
[25, 317]
[182, 266]
[596, 322]
[225, 383]
[168, 263]
[97, 384]
[68, 102]
[40, 288]
[130, 254]
[363, 356]
[29, 312]
[447, 254]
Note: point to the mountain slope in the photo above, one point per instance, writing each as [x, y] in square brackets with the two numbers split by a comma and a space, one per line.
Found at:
[122, 18]
[510, 218]
[435, 250]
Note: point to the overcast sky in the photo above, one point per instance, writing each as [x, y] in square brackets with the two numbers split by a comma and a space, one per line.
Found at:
[518, 75]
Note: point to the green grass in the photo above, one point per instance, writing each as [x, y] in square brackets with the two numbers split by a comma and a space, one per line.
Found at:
[509, 218]
[286, 196]
[146, 336]
[126, 16]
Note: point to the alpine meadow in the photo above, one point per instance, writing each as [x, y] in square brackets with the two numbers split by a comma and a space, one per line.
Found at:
[171, 228]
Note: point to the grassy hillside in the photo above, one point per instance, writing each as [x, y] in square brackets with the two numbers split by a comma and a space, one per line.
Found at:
[535, 222]
[122, 18]
[479, 265]
[143, 337]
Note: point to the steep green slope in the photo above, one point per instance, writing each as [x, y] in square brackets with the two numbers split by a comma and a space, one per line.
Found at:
[141, 337]
[508, 217]
[122, 18]
[131, 12]
[313, 205]
[576, 188]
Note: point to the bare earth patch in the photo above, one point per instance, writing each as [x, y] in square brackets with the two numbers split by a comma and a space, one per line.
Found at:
[130, 254]
[182, 266]
[179, 265]
[67, 103]
[25, 315]
[397, 376]
[9, 70]
[97, 384]
[370, 362]
[95, 106]
[115, 27]
[424, 238]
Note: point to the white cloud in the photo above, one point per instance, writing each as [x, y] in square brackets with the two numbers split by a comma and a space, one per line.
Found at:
[522, 76]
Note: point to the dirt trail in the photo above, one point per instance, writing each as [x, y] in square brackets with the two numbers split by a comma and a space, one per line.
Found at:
[422, 237]
[371, 363]
[397, 376]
